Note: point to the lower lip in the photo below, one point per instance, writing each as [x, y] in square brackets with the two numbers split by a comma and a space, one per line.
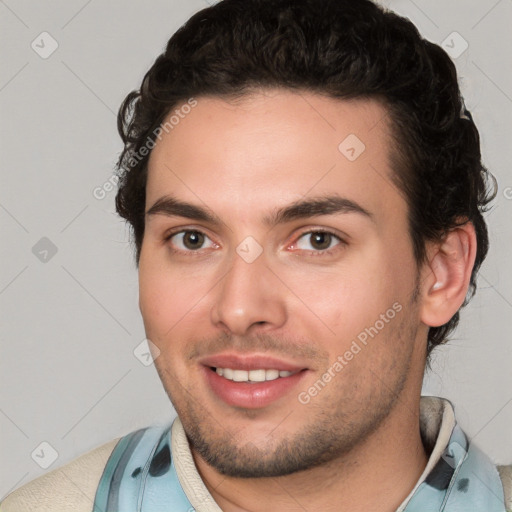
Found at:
[251, 395]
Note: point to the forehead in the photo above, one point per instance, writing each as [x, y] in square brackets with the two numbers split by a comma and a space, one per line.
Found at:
[273, 146]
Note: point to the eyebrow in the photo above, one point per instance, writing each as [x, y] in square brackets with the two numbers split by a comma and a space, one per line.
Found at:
[172, 207]
[302, 209]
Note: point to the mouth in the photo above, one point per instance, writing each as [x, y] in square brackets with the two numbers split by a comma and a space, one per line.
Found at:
[251, 382]
[252, 376]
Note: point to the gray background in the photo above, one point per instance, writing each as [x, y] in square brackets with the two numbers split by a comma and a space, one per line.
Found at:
[70, 320]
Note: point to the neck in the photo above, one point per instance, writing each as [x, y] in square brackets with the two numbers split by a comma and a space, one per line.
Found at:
[376, 475]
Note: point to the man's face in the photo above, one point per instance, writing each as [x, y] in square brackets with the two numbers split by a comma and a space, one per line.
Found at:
[264, 275]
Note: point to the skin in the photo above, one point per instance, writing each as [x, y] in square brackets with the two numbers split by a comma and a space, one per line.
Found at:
[356, 444]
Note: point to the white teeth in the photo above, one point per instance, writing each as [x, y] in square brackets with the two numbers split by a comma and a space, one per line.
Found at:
[240, 375]
[271, 374]
[261, 375]
[257, 375]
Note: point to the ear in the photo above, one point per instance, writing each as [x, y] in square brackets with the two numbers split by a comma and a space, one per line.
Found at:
[446, 276]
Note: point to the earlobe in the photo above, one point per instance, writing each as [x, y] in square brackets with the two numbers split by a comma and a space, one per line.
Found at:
[447, 275]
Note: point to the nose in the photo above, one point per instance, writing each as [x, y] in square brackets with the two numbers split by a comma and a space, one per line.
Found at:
[248, 297]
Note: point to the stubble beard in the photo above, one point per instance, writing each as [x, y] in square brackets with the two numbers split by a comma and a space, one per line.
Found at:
[342, 417]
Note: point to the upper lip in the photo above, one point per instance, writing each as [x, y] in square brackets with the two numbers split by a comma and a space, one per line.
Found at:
[237, 361]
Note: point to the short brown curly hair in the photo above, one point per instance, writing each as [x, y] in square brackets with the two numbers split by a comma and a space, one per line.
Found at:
[342, 49]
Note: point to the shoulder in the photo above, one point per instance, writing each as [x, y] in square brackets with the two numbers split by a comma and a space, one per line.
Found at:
[71, 488]
[506, 478]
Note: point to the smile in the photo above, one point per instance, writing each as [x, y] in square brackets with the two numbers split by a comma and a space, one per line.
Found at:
[254, 388]
[260, 375]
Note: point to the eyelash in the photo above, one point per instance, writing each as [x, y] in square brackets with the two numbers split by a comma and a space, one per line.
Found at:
[189, 253]
[322, 252]
[312, 253]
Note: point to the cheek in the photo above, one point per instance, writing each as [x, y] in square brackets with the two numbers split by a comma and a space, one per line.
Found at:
[366, 302]
[162, 300]
[353, 297]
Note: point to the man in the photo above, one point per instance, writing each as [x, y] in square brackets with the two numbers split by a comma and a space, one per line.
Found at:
[305, 190]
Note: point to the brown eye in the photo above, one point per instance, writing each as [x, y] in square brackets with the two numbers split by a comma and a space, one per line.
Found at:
[320, 241]
[190, 240]
[193, 240]
[317, 241]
